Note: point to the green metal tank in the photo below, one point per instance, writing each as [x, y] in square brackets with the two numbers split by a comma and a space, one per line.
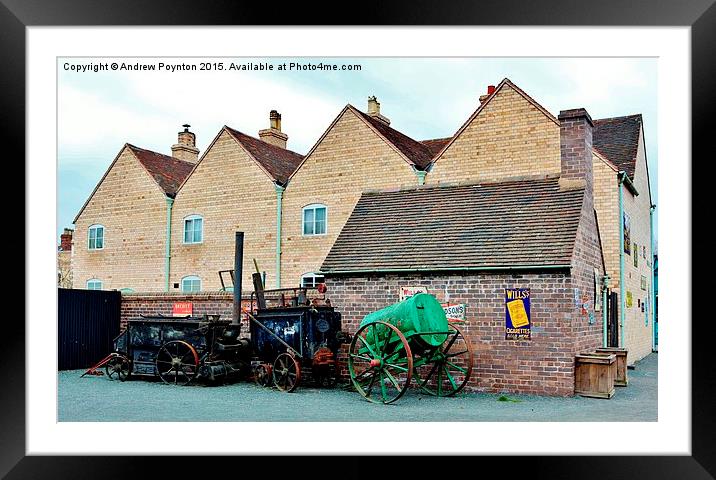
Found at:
[414, 317]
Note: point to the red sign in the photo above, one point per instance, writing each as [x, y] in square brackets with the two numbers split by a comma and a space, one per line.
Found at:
[182, 308]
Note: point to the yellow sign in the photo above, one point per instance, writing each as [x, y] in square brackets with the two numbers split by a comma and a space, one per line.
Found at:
[518, 314]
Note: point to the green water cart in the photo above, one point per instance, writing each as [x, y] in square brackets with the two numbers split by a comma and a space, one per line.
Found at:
[412, 338]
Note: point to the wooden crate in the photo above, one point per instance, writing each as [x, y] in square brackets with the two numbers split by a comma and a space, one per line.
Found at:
[594, 375]
[621, 379]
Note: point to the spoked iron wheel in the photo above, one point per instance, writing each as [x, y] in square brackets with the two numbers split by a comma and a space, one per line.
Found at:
[177, 362]
[445, 370]
[262, 375]
[118, 367]
[380, 362]
[286, 372]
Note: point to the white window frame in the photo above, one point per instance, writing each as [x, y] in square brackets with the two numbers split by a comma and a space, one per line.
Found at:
[94, 280]
[314, 207]
[94, 227]
[312, 276]
[191, 278]
[183, 237]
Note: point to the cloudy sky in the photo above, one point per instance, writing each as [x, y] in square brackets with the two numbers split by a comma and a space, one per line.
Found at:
[423, 97]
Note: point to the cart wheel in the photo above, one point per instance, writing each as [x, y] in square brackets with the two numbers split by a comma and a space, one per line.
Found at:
[118, 367]
[177, 362]
[262, 375]
[286, 373]
[380, 362]
[445, 370]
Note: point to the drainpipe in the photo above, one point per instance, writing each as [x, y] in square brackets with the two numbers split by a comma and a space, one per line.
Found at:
[421, 176]
[605, 299]
[168, 248]
[652, 291]
[622, 301]
[279, 202]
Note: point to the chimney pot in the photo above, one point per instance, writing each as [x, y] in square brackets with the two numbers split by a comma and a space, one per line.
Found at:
[273, 134]
[374, 110]
[66, 240]
[490, 89]
[185, 148]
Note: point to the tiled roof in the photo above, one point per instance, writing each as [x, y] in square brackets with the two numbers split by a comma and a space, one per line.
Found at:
[167, 171]
[435, 145]
[618, 139]
[415, 151]
[278, 162]
[517, 224]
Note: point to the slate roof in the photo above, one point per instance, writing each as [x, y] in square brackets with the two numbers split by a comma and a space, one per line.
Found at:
[516, 224]
[167, 171]
[278, 162]
[436, 144]
[618, 139]
[415, 151]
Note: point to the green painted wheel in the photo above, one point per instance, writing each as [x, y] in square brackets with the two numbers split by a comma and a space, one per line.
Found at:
[380, 362]
[445, 370]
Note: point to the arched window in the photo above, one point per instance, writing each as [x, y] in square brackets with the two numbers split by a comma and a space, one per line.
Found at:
[94, 284]
[95, 237]
[315, 219]
[311, 280]
[126, 290]
[193, 229]
[190, 283]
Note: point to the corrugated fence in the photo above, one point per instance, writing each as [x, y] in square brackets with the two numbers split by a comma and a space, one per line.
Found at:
[88, 321]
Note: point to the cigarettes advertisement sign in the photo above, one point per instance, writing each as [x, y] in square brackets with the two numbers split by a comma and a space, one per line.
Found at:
[455, 312]
[518, 324]
[407, 292]
[180, 309]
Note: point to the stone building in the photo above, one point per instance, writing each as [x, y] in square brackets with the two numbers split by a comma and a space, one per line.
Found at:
[167, 223]
[358, 151]
[467, 244]
[236, 186]
[120, 231]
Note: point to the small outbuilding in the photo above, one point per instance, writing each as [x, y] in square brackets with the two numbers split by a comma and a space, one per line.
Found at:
[519, 260]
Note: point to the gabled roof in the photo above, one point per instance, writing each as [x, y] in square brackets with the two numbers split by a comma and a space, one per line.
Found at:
[617, 138]
[167, 171]
[277, 162]
[416, 152]
[503, 83]
[526, 224]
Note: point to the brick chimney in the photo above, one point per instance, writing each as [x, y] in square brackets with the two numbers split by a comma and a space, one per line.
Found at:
[66, 240]
[273, 134]
[185, 148]
[374, 110]
[575, 133]
[490, 91]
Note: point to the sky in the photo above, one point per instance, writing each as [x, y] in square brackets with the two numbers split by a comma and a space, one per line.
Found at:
[98, 112]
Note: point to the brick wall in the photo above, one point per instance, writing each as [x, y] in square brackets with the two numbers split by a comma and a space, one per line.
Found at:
[231, 193]
[136, 304]
[543, 365]
[510, 137]
[132, 208]
[351, 158]
[637, 330]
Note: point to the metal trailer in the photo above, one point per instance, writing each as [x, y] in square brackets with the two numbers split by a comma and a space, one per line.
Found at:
[179, 349]
[412, 338]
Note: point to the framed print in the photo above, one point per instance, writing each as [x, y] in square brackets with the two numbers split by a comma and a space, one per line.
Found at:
[193, 184]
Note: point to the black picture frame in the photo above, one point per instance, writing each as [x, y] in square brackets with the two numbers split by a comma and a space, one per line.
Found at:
[16, 15]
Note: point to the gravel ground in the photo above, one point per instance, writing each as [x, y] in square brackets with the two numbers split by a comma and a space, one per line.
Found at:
[93, 399]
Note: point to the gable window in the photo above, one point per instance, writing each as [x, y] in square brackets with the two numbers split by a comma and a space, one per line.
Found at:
[189, 284]
[193, 229]
[94, 284]
[314, 219]
[311, 280]
[95, 237]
